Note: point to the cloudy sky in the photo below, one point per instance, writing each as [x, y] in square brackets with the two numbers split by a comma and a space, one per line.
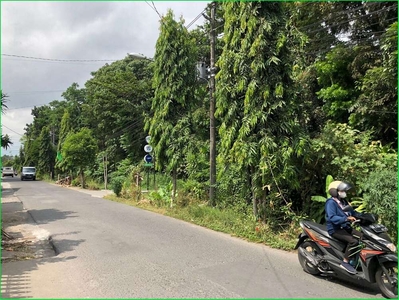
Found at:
[57, 31]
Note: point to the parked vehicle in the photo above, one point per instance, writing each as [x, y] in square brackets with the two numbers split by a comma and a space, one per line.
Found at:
[375, 261]
[28, 173]
[7, 171]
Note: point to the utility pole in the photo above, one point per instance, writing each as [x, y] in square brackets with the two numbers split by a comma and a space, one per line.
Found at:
[212, 129]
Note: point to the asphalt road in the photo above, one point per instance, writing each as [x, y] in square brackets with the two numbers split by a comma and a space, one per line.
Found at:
[110, 250]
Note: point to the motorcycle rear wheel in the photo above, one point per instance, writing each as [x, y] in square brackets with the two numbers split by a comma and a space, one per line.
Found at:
[312, 249]
[386, 288]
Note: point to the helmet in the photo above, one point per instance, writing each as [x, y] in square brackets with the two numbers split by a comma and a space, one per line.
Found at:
[344, 186]
[336, 186]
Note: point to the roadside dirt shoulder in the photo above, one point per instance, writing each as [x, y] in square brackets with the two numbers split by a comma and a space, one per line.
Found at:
[22, 238]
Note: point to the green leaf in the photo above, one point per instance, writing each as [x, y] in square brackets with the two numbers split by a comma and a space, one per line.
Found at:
[318, 198]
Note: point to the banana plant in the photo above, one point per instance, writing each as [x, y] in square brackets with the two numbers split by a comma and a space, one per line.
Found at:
[318, 214]
[359, 204]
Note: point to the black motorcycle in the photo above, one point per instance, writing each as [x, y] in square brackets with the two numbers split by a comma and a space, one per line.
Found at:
[375, 260]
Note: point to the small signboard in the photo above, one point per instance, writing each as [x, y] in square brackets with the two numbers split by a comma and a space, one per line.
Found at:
[148, 164]
[147, 148]
[148, 158]
[148, 139]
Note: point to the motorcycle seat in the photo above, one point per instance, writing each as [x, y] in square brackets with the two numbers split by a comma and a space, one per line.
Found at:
[322, 229]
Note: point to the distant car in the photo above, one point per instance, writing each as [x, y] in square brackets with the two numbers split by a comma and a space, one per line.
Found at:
[28, 173]
[8, 171]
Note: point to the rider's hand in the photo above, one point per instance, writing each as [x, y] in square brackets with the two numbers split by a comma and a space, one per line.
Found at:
[351, 219]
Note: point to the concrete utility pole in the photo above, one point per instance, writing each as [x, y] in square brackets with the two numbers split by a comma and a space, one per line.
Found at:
[212, 129]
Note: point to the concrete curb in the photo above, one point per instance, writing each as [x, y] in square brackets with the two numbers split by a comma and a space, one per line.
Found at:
[93, 193]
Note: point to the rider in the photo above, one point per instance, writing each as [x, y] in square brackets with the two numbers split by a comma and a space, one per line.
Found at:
[338, 221]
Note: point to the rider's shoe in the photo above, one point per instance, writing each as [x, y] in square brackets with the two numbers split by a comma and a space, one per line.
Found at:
[348, 267]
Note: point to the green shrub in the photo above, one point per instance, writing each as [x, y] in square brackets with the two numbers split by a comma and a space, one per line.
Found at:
[91, 184]
[349, 154]
[381, 198]
[162, 196]
[117, 184]
[193, 189]
[232, 187]
[76, 182]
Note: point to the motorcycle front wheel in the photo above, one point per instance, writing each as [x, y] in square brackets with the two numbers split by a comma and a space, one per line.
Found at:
[387, 289]
[312, 249]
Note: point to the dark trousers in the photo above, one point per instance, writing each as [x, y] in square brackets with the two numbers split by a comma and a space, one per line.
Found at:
[348, 236]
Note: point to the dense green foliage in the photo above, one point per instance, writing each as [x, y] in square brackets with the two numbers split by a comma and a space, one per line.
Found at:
[381, 195]
[255, 104]
[303, 90]
[46, 159]
[169, 123]
[79, 151]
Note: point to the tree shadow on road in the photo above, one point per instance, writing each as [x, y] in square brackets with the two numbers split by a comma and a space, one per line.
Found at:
[45, 216]
[17, 264]
[16, 276]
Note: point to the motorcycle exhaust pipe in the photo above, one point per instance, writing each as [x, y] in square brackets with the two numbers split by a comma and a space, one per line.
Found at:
[309, 257]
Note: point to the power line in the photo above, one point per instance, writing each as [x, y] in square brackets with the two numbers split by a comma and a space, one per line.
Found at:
[342, 12]
[56, 59]
[355, 18]
[352, 39]
[31, 92]
[153, 8]
[12, 130]
[195, 19]
[121, 131]
[31, 106]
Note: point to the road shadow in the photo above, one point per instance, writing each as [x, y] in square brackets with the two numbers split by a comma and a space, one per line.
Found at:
[356, 285]
[18, 263]
[45, 216]
[16, 275]
[16, 279]
[15, 286]
[5, 191]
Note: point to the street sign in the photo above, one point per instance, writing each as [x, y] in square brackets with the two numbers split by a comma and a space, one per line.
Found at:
[147, 148]
[148, 139]
[148, 164]
[148, 158]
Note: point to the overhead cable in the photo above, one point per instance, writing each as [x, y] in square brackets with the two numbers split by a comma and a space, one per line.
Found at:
[11, 130]
[195, 19]
[338, 14]
[56, 59]
[348, 21]
[153, 8]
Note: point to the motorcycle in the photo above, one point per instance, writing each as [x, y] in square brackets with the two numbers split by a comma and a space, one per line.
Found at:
[375, 260]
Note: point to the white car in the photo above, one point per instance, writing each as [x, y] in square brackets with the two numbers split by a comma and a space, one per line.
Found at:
[7, 171]
[28, 173]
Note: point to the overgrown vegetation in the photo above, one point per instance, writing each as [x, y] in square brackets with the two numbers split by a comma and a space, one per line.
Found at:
[380, 197]
[295, 103]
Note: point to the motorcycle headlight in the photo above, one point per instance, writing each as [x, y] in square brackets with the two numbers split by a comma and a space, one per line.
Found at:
[391, 247]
